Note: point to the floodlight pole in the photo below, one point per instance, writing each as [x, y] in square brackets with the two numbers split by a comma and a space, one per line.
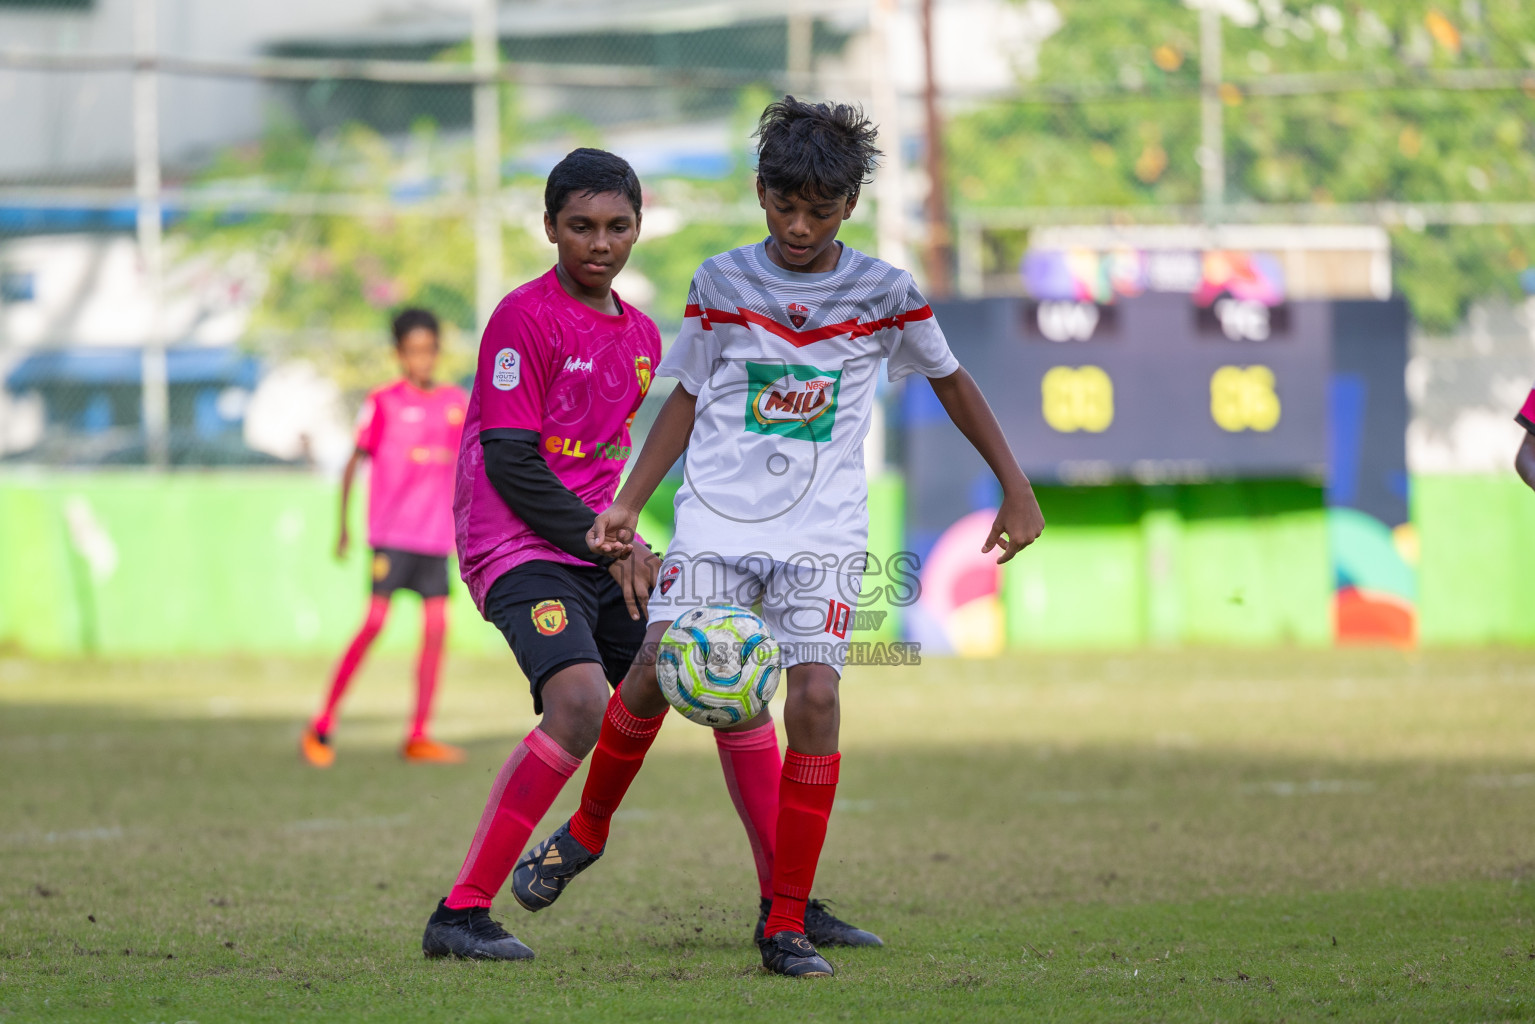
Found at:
[489, 273]
[890, 182]
[146, 179]
[939, 244]
[1212, 140]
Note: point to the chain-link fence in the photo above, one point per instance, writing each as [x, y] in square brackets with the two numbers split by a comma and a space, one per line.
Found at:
[207, 211]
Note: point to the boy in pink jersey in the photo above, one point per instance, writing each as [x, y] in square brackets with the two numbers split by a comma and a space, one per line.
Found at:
[409, 431]
[564, 365]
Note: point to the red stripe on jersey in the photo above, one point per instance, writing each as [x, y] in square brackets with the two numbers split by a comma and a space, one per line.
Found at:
[799, 339]
[698, 311]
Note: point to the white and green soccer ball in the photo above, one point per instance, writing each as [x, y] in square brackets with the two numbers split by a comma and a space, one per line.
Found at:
[718, 665]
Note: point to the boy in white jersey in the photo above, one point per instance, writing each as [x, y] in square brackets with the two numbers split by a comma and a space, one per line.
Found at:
[776, 368]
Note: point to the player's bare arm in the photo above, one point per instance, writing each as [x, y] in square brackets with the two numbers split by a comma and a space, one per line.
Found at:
[1019, 521]
[348, 475]
[1524, 460]
[613, 532]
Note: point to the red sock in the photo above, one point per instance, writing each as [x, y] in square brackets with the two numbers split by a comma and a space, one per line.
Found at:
[434, 626]
[621, 748]
[524, 790]
[804, 804]
[752, 767]
[378, 611]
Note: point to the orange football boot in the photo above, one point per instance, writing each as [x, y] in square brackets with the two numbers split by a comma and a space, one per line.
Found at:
[316, 749]
[429, 751]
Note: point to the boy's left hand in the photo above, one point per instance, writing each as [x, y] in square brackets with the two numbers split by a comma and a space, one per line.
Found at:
[1018, 524]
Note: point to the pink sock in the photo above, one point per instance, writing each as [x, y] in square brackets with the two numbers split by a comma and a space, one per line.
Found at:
[752, 768]
[524, 791]
[378, 611]
[434, 616]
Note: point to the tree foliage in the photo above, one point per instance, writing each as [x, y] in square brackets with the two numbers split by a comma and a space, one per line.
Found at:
[329, 281]
[1136, 143]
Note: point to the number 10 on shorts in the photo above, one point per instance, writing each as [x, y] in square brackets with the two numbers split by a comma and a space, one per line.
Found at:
[838, 617]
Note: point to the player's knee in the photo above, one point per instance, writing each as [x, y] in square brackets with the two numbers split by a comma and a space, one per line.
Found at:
[815, 698]
[641, 689]
[580, 735]
[641, 679]
[573, 710]
[575, 733]
[585, 709]
[641, 692]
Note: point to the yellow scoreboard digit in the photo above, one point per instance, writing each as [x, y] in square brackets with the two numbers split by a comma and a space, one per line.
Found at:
[1077, 398]
[1243, 398]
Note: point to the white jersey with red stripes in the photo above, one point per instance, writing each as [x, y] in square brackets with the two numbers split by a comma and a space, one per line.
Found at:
[784, 365]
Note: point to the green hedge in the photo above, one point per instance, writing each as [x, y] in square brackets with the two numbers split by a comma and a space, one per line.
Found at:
[142, 564]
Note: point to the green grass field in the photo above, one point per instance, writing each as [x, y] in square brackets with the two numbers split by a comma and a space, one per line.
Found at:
[1235, 836]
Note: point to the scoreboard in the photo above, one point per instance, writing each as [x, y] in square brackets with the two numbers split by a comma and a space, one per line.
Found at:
[1175, 400]
[1152, 388]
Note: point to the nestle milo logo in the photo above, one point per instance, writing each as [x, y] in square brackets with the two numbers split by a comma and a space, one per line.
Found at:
[791, 401]
[788, 400]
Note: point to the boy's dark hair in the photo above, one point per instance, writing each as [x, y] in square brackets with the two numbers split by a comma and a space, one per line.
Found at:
[590, 172]
[409, 319]
[815, 150]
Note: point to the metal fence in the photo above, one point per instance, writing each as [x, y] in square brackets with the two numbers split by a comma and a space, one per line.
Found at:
[271, 180]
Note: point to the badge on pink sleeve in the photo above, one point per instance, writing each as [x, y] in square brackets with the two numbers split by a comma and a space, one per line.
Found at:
[507, 372]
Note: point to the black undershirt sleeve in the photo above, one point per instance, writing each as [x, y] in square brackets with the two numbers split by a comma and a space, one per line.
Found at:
[530, 488]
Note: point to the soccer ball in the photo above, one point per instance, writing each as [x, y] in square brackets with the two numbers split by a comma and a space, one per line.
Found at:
[718, 665]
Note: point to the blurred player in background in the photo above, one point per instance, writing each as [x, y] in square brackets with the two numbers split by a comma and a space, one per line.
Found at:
[1524, 459]
[776, 366]
[409, 431]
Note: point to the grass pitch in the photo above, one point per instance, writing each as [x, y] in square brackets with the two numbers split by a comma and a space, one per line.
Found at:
[1235, 836]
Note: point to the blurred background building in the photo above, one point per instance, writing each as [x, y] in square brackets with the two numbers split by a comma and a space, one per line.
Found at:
[208, 210]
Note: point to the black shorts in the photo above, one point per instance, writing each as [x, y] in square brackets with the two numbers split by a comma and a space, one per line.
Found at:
[394, 569]
[555, 615]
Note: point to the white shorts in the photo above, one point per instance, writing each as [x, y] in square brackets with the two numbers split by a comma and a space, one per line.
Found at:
[808, 607]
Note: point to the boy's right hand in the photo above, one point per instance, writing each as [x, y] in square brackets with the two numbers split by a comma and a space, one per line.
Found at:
[613, 532]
